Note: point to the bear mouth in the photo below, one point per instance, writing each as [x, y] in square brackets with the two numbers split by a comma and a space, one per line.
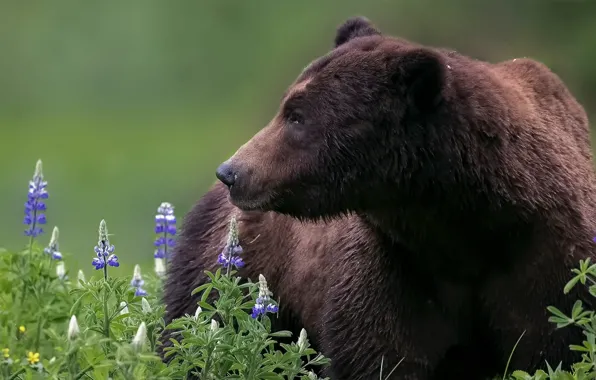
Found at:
[260, 202]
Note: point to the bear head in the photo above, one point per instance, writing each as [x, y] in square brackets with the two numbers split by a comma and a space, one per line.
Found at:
[334, 145]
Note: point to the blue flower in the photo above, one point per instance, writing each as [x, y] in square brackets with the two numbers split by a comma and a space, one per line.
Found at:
[104, 250]
[98, 263]
[263, 303]
[165, 227]
[35, 204]
[52, 248]
[137, 282]
[230, 256]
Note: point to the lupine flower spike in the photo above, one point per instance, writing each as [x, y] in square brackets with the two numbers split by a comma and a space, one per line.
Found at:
[52, 248]
[165, 228]
[229, 257]
[34, 216]
[104, 251]
[137, 282]
[263, 303]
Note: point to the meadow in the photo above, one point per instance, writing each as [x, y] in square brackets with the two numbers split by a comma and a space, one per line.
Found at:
[56, 324]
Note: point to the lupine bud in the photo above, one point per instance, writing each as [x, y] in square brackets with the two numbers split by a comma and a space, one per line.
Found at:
[263, 304]
[81, 278]
[123, 308]
[60, 270]
[145, 306]
[137, 282]
[52, 248]
[140, 337]
[230, 256]
[73, 328]
[302, 342]
[160, 267]
[199, 310]
[214, 325]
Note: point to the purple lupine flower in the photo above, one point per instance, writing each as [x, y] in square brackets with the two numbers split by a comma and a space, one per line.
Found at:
[263, 303]
[104, 251]
[52, 248]
[230, 256]
[35, 204]
[165, 227]
[138, 282]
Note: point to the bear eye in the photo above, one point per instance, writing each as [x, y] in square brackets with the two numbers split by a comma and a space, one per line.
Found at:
[295, 118]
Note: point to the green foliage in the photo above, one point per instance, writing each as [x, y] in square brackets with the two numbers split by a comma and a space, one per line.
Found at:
[578, 318]
[115, 334]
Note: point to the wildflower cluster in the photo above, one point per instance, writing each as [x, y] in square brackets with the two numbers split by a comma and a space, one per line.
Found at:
[104, 250]
[119, 333]
[230, 256]
[34, 207]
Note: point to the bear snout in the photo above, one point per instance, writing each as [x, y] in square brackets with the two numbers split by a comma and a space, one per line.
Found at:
[226, 174]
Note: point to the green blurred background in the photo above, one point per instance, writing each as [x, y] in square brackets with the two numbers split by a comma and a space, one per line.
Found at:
[131, 103]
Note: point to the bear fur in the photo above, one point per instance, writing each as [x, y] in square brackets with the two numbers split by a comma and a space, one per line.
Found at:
[412, 204]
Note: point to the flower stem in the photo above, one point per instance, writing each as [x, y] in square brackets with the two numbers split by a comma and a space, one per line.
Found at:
[26, 263]
[106, 317]
[16, 374]
[165, 248]
[83, 372]
[38, 333]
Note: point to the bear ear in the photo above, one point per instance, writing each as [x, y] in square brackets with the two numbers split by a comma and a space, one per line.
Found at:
[354, 27]
[423, 73]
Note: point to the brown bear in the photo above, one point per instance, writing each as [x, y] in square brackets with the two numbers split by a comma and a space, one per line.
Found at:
[412, 204]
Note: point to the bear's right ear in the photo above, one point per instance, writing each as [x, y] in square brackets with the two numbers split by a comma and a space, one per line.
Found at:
[354, 27]
[422, 73]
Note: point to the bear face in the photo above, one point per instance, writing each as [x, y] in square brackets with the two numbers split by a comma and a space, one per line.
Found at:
[311, 153]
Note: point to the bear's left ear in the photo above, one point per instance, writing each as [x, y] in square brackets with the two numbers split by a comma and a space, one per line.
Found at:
[423, 73]
[354, 27]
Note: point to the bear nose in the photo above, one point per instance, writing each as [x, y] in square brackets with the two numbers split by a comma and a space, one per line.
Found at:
[226, 174]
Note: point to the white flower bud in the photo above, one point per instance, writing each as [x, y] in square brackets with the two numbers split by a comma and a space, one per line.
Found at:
[160, 268]
[214, 325]
[60, 270]
[140, 336]
[80, 278]
[302, 342]
[73, 328]
[199, 311]
[54, 238]
[145, 306]
[38, 170]
[123, 308]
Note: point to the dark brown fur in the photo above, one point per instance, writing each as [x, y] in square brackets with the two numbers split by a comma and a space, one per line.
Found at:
[409, 201]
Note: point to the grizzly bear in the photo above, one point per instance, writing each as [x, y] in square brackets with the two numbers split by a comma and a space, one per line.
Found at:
[410, 205]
